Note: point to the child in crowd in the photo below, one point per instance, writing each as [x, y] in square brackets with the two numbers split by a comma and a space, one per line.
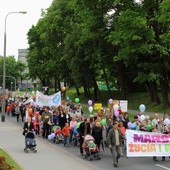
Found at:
[66, 133]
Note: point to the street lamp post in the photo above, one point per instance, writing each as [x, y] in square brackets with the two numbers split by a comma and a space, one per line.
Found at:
[4, 66]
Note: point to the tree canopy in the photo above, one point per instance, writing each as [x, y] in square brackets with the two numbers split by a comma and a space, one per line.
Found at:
[122, 43]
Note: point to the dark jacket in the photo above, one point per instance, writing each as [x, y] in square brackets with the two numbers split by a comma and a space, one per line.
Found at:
[28, 128]
[111, 137]
[81, 129]
[97, 134]
[55, 119]
[62, 120]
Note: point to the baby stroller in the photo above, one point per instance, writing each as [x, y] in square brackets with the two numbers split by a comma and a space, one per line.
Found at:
[58, 134]
[90, 148]
[30, 143]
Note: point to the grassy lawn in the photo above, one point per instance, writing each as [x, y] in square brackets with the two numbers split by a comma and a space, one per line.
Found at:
[9, 160]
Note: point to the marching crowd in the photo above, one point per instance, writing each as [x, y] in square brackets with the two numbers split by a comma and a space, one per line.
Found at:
[107, 126]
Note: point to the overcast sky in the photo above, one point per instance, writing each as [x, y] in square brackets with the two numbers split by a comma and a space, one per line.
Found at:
[19, 24]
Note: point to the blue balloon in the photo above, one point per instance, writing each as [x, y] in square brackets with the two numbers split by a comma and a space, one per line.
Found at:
[49, 137]
[142, 108]
[67, 98]
[134, 126]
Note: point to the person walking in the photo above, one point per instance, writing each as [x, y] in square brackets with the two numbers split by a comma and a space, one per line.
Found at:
[82, 132]
[97, 134]
[45, 118]
[114, 139]
[28, 126]
[17, 112]
[22, 111]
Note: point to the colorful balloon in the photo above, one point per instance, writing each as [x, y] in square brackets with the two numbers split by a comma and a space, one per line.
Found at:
[134, 126]
[103, 122]
[49, 137]
[77, 100]
[90, 102]
[129, 125]
[115, 107]
[116, 113]
[149, 127]
[142, 108]
[67, 98]
[63, 88]
[90, 109]
[52, 135]
[91, 115]
[110, 101]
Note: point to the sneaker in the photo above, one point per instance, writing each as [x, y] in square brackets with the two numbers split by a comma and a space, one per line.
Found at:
[154, 159]
[115, 165]
[163, 158]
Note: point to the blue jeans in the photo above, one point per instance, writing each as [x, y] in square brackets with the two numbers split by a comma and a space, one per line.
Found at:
[66, 140]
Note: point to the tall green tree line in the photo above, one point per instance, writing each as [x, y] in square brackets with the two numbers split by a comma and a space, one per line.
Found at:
[14, 70]
[125, 43]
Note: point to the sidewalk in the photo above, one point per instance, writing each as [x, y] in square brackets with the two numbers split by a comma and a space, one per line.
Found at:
[48, 156]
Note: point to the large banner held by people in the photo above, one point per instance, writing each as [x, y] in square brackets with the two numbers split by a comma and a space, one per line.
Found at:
[145, 144]
[45, 100]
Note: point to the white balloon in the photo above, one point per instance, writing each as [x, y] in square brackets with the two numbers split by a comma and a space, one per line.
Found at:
[90, 109]
[116, 107]
[142, 108]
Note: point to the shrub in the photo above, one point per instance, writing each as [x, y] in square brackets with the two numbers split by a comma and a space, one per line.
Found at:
[4, 165]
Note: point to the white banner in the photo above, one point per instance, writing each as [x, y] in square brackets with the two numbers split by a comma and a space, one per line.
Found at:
[124, 105]
[145, 144]
[45, 100]
[30, 100]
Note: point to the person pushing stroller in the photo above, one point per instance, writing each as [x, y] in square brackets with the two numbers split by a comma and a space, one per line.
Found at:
[28, 126]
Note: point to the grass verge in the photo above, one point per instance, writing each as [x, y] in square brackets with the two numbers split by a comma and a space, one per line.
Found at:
[9, 160]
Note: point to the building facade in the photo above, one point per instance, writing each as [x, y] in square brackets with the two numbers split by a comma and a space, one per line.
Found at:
[27, 83]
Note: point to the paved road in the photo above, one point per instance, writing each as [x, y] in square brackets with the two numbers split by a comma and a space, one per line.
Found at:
[55, 156]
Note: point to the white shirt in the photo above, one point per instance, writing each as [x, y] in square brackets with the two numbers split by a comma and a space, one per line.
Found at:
[155, 122]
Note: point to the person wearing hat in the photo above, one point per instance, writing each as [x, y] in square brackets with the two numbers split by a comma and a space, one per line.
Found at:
[114, 140]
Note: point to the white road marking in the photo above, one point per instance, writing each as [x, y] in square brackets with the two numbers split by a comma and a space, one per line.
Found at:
[164, 167]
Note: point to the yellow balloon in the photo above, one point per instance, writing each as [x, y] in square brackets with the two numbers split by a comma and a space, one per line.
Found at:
[63, 88]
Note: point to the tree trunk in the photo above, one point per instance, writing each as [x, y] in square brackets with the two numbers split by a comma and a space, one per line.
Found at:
[55, 85]
[78, 92]
[59, 86]
[89, 93]
[97, 94]
[150, 92]
[85, 91]
[121, 79]
[107, 83]
[153, 93]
